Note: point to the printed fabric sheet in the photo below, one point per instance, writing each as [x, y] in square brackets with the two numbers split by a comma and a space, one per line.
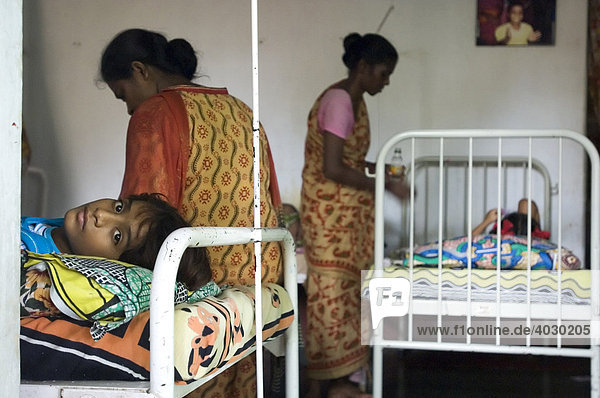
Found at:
[208, 335]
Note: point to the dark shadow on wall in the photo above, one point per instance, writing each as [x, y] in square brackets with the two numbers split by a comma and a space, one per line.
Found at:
[592, 128]
[37, 113]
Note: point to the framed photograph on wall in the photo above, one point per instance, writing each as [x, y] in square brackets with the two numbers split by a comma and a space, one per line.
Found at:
[515, 22]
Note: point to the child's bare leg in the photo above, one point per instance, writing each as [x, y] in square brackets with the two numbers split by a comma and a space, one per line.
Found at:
[535, 215]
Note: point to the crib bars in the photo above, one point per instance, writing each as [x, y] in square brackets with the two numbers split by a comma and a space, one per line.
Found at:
[379, 342]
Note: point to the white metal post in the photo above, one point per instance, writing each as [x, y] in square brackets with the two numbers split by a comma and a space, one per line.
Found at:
[256, 181]
[11, 88]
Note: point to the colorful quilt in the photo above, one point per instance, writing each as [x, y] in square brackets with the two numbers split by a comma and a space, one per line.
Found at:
[514, 253]
[209, 334]
[86, 318]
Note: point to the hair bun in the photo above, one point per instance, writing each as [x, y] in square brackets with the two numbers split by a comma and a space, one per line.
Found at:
[181, 53]
[351, 49]
[350, 40]
[370, 47]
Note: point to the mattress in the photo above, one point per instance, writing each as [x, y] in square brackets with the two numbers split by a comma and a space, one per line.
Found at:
[209, 334]
[575, 284]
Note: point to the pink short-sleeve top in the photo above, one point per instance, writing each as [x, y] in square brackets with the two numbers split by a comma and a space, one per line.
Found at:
[335, 113]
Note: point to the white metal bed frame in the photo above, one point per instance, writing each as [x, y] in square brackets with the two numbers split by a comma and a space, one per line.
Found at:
[161, 384]
[471, 309]
[423, 163]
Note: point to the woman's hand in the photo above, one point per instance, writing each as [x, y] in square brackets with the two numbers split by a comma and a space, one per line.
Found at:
[397, 186]
[335, 169]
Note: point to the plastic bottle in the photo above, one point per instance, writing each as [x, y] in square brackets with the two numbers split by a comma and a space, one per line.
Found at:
[397, 168]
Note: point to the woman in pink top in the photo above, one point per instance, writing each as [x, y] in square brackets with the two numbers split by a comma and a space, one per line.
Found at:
[337, 214]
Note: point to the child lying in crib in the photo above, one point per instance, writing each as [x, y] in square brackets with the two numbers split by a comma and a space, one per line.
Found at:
[131, 230]
[514, 223]
[515, 252]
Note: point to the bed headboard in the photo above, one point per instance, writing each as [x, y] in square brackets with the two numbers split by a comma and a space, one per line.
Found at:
[485, 171]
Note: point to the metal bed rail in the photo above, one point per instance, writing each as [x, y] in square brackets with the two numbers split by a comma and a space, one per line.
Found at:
[162, 309]
[426, 163]
[161, 384]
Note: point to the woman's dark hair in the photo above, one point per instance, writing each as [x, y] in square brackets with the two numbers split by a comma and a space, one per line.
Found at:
[176, 56]
[194, 267]
[371, 47]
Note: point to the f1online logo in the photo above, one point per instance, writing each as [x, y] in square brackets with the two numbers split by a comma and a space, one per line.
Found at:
[388, 297]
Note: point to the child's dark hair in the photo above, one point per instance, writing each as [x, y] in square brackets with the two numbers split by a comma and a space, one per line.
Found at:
[371, 47]
[176, 56]
[515, 3]
[519, 223]
[194, 268]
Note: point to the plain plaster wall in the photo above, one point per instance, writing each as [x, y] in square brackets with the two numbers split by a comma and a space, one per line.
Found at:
[443, 80]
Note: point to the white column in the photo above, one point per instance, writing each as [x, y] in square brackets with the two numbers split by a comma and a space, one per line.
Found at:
[11, 82]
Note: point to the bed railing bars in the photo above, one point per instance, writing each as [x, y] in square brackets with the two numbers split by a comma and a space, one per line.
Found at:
[423, 163]
[162, 309]
[593, 352]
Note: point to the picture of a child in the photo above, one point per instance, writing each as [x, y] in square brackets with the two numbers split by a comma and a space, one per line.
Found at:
[515, 31]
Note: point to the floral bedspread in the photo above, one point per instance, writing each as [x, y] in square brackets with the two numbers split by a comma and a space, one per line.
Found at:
[514, 253]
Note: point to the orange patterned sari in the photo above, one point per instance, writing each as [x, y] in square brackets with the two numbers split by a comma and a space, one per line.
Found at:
[194, 145]
[337, 221]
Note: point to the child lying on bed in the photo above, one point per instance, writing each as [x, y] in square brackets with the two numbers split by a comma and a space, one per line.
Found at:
[514, 247]
[514, 223]
[131, 230]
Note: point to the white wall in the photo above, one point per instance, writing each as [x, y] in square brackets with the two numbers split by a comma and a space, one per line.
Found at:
[442, 79]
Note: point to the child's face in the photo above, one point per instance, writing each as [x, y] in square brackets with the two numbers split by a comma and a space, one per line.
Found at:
[106, 227]
[516, 14]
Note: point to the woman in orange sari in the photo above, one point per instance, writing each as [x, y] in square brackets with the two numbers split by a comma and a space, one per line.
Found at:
[194, 145]
[337, 214]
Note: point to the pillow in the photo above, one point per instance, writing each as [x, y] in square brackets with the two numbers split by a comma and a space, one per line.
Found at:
[514, 254]
[105, 292]
[35, 291]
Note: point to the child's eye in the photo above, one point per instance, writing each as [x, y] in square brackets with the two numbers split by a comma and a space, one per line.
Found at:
[117, 237]
[118, 206]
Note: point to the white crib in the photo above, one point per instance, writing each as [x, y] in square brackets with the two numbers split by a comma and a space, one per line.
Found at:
[472, 310]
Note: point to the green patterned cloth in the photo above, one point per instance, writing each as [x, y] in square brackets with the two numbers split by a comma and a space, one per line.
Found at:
[106, 292]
